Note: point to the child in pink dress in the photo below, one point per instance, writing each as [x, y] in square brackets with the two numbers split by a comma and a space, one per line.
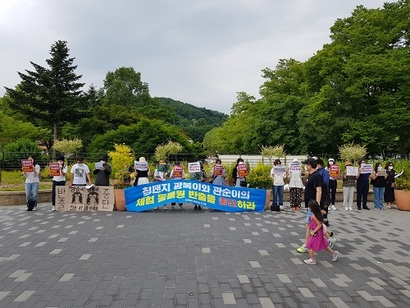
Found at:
[316, 240]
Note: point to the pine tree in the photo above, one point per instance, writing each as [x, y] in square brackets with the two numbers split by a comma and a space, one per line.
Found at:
[49, 96]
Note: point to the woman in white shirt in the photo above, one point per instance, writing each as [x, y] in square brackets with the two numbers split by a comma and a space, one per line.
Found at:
[295, 184]
[277, 174]
[32, 182]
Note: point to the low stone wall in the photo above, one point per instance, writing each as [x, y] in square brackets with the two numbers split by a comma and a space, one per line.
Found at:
[19, 197]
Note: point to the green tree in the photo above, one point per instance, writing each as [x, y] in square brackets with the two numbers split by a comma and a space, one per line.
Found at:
[49, 97]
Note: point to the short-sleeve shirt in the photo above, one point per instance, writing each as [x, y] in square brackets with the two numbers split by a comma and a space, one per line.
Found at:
[314, 180]
[79, 172]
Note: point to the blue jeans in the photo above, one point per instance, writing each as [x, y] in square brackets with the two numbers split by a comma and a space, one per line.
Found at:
[32, 191]
[277, 194]
[378, 195]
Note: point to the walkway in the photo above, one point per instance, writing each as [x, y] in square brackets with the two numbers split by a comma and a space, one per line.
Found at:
[187, 258]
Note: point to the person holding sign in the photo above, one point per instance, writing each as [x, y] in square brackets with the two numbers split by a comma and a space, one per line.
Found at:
[390, 182]
[177, 173]
[334, 174]
[31, 172]
[363, 185]
[349, 183]
[102, 172]
[378, 176]
[58, 171]
[295, 184]
[141, 171]
[239, 173]
[277, 173]
[197, 173]
[218, 173]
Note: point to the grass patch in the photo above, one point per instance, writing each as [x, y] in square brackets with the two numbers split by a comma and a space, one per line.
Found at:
[15, 181]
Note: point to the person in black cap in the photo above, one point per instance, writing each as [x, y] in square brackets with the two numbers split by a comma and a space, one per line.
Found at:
[58, 180]
[102, 174]
[313, 191]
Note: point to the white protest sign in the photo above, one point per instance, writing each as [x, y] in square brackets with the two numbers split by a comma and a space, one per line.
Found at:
[352, 171]
[194, 167]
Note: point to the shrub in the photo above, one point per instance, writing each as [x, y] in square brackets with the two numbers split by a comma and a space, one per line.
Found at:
[259, 177]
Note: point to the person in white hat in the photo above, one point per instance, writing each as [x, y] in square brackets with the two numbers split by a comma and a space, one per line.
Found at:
[141, 172]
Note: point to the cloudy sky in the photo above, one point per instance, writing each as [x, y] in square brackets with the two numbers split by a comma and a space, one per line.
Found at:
[200, 52]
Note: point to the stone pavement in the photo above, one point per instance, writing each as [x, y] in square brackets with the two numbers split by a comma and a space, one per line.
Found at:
[202, 258]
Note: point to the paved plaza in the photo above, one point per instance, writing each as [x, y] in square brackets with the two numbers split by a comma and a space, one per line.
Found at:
[187, 258]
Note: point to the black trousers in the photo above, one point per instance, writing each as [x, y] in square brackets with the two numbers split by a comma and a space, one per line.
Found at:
[362, 192]
[332, 191]
[53, 194]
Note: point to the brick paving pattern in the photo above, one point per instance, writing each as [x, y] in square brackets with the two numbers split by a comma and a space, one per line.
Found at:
[187, 258]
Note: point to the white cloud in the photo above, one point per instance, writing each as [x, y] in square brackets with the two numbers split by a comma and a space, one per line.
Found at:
[199, 52]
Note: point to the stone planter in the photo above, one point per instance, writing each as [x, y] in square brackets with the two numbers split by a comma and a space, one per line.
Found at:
[119, 199]
[402, 198]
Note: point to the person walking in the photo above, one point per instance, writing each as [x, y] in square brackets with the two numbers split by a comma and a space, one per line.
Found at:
[316, 240]
[313, 191]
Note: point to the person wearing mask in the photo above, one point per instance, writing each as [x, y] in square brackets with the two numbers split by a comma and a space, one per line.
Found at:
[239, 173]
[141, 172]
[390, 181]
[349, 182]
[278, 185]
[332, 186]
[177, 173]
[362, 187]
[295, 185]
[58, 180]
[80, 173]
[218, 173]
[32, 182]
[102, 174]
[378, 176]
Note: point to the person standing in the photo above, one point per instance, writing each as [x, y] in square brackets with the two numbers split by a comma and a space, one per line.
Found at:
[332, 186]
[80, 173]
[349, 182]
[362, 188]
[58, 180]
[218, 173]
[239, 173]
[141, 172]
[160, 174]
[295, 185]
[278, 184]
[390, 181]
[313, 191]
[379, 176]
[325, 200]
[32, 181]
[102, 174]
[177, 173]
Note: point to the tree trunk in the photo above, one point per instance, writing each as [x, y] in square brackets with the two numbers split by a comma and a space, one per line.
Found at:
[54, 140]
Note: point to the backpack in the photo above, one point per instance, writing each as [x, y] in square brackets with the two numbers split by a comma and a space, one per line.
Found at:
[31, 203]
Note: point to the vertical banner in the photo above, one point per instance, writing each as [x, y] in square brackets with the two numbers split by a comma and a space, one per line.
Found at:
[224, 198]
[79, 198]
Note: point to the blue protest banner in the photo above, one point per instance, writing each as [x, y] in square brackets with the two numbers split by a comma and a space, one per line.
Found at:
[224, 198]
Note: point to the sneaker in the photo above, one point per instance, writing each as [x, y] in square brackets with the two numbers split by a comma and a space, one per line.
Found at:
[346, 208]
[335, 254]
[165, 207]
[350, 209]
[35, 208]
[333, 207]
[332, 242]
[302, 249]
[53, 209]
[281, 207]
[310, 261]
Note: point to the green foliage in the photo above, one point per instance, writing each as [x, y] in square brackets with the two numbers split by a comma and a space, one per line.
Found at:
[352, 152]
[49, 96]
[259, 177]
[121, 159]
[403, 182]
[164, 150]
[68, 147]
[22, 148]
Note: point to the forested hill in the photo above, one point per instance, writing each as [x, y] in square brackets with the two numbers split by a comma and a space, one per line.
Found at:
[195, 121]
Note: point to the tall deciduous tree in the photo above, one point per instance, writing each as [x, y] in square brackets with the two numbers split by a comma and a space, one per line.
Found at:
[49, 96]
